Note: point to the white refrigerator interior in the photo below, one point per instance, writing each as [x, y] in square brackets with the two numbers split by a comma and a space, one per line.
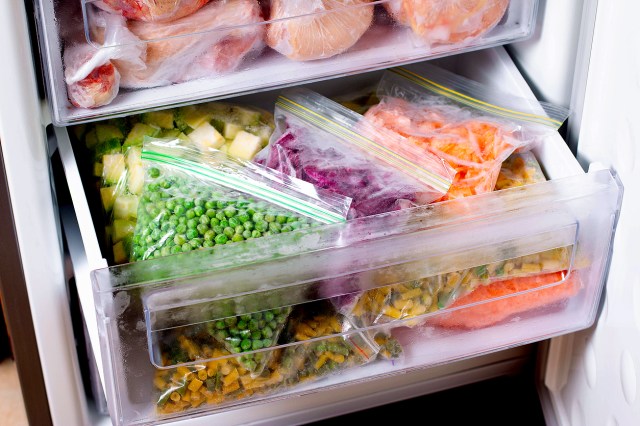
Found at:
[590, 377]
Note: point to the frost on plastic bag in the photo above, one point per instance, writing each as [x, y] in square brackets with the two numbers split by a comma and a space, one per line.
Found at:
[321, 142]
[471, 127]
[335, 26]
[194, 200]
[448, 21]
[91, 76]
[152, 10]
[174, 54]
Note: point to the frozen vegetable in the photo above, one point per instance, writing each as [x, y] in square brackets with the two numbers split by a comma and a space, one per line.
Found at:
[323, 143]
[320, 29]
[413, 299]
[448, 21]
[174, 53]
[194, 199]
[518, 170]
[453, 118]
[535, 292]
[154, 10]
[121, 173]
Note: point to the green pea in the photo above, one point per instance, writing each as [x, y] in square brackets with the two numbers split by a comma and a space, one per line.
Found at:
[181, 228]
[209, 235]
[253, 325]
[191, 234]
[210, 205]
[245, 317]
[220, 215]
[218, 229]
[256, 234]
[234, 331]
[221, 204]
[204, 219]
[220, 325]
[192, 223]
[262, 226]
[266, 342]
[179, 210]
[233, 222]
[267, 332]
[245, 345]
[275, 227]
[224, 223]
[189, 204]
[154, 172]
[182, 220]
[214, 222]
[257, 217]
[237, 238]
[256, 344]
[233, 341]
[243, 218]
[190, 214]
[198, 210]
[210, 213]
[281, 319]
[195, 243]
[269, 217]
[229, 232]
[246, 234]
[170, 205]
[248, 225]
[221, 239]
[281, 219]
[256, 335]
[268, 315]
[273, 324]
[165, 251]
[176, 249]
[186, 247]
[207, 243]
[231, 321]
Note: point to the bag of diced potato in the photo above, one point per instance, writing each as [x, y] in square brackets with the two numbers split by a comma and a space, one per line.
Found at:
[472, 127]
[322, 142]
[116, 144]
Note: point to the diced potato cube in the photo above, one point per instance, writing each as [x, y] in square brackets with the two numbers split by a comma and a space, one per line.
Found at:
[245, 145]
[206, 137]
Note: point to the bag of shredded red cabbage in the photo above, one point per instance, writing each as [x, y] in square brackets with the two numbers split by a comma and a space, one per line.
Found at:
[323, 143]
[474, 128]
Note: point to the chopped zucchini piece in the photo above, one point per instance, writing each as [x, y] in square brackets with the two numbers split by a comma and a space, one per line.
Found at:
[105, 148]
[134, 157]
[113, 168]
[206, 136]
[125, 207]
[108, 196]
[135, 183]
[231, 130]
[245, 116]
[90, 139]
[122, 229]
[107, 133]
[162, 119]
[245, 145]
[139, 131]
[193, 116]
[79, 131]
[97, 169]
[174, 134]
[120, 253]
[263, 132]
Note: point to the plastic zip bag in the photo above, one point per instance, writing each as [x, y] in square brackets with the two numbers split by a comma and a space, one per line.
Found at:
[194, 199]
[448, 21]
[152, 10]
[324, 143]
[472, 127]
[90, 73]
[319, 28]
[518, 170]
[227, 34]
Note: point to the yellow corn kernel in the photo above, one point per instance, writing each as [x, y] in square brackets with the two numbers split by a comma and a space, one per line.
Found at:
[231, 377]
[216, 398]
[411, 293]
[417, 310]
[211, 372]
[531, 268]
[321, 361]
[187, 396]
[202, 375]
[196, 396]
[232, 387]
[226, 369]
[175, 396]
[392, 312]
[339, 358]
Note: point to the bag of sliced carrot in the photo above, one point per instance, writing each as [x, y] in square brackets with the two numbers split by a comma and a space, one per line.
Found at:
[472, 127]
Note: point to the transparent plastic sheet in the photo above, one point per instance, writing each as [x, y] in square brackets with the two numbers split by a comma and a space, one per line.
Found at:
[321, 31]
[228, 32]
[474, 129]
[321, 142]
[237, 130]
[151, 10]
[448, 21]
[91, 76]
[194, 199]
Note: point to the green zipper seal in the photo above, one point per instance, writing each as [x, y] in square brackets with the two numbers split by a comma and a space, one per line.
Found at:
[439, 89]
[386, 155]
[256, 189]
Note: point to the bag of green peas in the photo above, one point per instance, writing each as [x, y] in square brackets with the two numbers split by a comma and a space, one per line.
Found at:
[194, 200]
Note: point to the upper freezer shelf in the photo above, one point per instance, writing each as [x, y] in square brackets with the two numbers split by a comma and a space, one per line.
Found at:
[110, 58]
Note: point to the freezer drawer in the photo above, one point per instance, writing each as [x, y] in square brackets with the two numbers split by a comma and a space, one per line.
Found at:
[562, 227]
[231, 58]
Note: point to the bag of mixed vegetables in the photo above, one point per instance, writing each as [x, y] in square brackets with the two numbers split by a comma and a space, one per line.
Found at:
[322, 142]
[472, 127]
[193, 199]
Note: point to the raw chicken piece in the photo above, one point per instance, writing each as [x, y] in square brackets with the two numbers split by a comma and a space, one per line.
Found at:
[179, 55]
[154, 10]
[305, 38]
[448, 21]
[97, 88]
